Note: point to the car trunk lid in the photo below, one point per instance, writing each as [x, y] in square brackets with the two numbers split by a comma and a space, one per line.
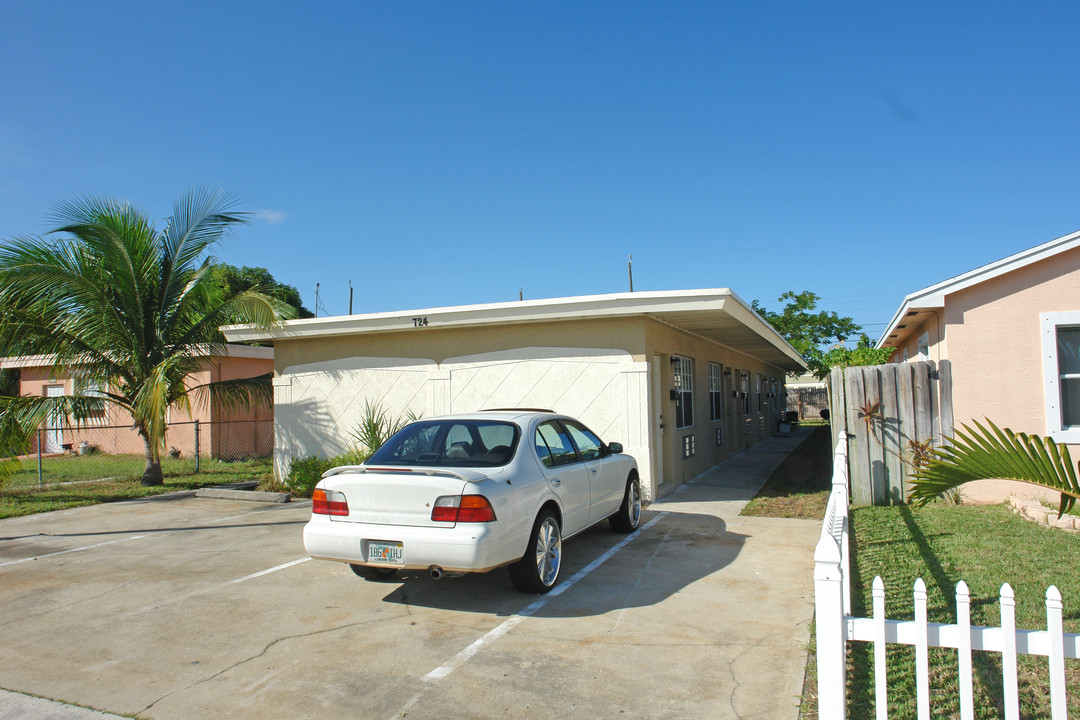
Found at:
[396, 495]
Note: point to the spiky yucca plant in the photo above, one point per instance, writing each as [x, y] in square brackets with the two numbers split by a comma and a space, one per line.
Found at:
[127, 309]
[375, 428]
[985, 453]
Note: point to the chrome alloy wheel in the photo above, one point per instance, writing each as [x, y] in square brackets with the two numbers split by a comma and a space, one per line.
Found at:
[633, 503]
[548, 551]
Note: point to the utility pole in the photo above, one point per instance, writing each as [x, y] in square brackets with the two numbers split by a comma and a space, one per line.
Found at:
[630, 271]
[316, 299]
[350, 297]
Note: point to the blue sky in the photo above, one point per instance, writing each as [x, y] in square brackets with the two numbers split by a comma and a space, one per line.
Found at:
[444, 153]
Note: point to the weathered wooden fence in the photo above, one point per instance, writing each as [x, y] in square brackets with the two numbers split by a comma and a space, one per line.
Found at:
[886, 409]
[835, 627]
[808, 401]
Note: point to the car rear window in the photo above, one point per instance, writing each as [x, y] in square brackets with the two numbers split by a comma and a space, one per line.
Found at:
[450, 443]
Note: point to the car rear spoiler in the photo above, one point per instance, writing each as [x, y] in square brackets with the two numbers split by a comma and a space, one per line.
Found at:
[363, 469]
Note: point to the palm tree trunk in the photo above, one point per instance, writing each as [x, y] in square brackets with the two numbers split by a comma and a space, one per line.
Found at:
[152, 475]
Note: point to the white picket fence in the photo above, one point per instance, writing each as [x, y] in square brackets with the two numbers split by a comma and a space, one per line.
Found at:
[836, 626]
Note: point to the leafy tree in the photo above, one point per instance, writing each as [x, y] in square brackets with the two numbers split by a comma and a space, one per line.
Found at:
[129, 311]
[808, 329]
[864, 353]
[235, 280]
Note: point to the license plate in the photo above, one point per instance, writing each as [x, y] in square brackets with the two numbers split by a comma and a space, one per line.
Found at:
[386, 552]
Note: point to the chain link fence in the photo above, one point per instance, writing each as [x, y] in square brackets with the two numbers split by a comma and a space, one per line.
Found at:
[86, 453]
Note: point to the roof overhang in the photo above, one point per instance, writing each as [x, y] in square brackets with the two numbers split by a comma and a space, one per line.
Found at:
[921, 303]
[717, 315]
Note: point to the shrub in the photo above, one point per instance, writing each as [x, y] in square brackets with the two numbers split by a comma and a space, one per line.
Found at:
[305, 473]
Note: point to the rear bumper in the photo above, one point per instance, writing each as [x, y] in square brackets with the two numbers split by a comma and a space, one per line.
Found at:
[467, 547]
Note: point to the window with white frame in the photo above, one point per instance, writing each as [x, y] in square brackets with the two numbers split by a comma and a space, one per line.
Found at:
[95, 389]
[683, 371]
[1061, 374]
[716, 392]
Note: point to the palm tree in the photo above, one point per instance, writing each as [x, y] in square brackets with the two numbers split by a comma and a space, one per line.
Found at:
[990, 452]
[129, 311]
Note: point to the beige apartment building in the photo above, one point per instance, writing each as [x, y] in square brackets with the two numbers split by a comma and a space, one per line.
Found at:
[682, 379]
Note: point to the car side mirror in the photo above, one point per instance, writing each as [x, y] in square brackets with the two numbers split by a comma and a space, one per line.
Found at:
[614, 447]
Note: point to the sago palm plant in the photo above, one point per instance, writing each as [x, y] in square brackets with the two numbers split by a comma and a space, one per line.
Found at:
[990, 452]
[129, 311]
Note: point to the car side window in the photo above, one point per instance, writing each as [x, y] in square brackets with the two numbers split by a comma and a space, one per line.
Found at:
[587, 443]
[553, 445]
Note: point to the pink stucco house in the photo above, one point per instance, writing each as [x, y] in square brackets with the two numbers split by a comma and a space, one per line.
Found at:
[1011, 330]
[222, 434]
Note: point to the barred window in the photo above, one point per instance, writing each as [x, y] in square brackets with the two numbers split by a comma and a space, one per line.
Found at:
[745, 387]
[716, 392]
[683, 370]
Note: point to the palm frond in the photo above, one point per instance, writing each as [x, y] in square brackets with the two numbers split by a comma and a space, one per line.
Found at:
[130, 310]
[201, 217]
[991, 452]
[247, 307]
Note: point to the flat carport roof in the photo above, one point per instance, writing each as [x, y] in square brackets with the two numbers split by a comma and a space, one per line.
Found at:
[718, 315]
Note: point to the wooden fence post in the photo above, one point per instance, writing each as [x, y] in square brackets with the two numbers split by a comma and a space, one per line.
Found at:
[862, 491]
[945, 386]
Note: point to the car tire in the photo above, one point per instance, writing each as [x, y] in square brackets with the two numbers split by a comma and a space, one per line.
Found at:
[373, 573]
[538, 570]
[628, 516]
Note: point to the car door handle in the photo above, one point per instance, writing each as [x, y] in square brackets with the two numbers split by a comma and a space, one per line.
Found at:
[592, 471]
[556, 482]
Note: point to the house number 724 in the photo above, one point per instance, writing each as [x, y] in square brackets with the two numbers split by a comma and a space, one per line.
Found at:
[419, 322]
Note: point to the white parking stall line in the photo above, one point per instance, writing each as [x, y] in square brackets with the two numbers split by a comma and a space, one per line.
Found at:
[219, 586]
[71, 550]
[252, 576]
[507, 625]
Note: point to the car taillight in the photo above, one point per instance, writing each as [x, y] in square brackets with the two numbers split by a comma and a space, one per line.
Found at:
[463, 508]
[329, 502]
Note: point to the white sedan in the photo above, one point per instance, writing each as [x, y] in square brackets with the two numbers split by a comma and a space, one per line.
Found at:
[470, 493]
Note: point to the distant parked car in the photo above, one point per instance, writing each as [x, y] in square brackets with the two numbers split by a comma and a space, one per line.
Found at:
[470, 493]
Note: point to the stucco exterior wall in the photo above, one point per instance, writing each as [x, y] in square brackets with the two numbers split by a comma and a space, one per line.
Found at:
[739, 431]
[933, 326]
[994, 341]
[439, 344]
[323, 385]
[613, 374]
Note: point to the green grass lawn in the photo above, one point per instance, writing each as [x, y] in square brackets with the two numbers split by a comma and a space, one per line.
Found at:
[71, 480]
[984, 546]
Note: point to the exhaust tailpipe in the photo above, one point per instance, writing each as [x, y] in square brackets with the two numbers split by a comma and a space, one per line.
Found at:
[436, 572]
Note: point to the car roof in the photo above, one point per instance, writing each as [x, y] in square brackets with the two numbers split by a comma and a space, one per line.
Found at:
[509, 415]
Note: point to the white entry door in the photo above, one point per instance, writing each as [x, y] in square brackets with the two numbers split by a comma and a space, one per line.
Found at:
[54, 432]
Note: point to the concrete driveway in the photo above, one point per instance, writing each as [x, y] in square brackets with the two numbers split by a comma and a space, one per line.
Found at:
[200, 608]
